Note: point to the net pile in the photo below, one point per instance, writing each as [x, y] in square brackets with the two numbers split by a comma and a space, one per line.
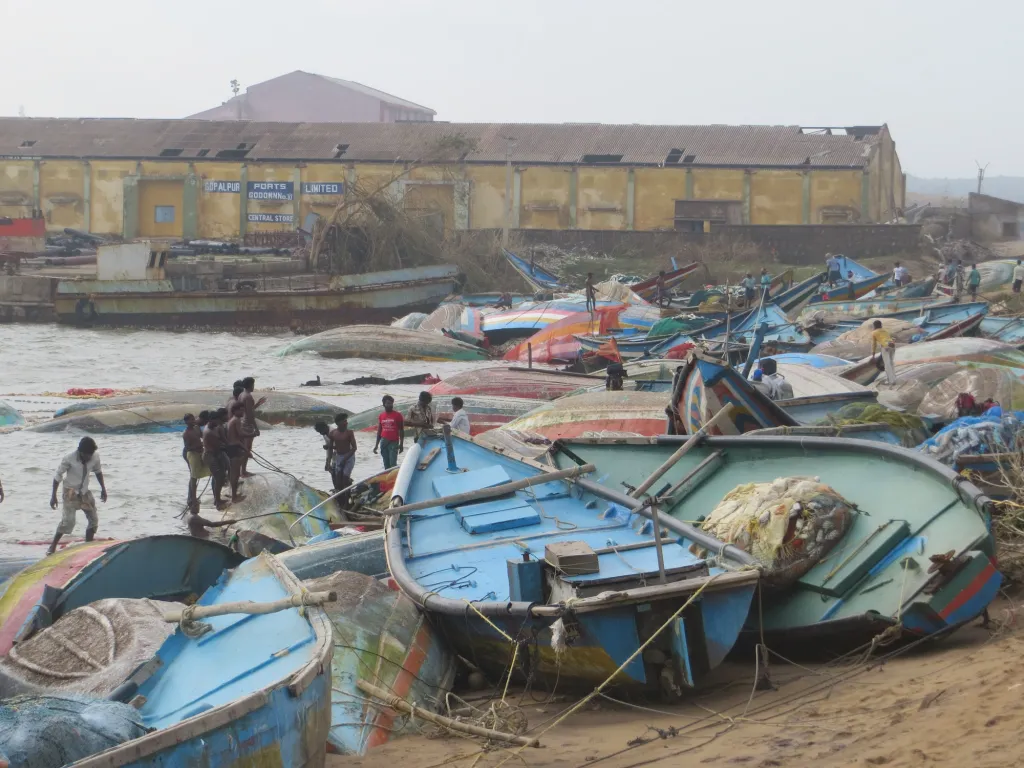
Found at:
[1002, 385]
[910, 429]
[787, 525]
[91, 650]
[856, 344]
[52, 731]
[995, 431]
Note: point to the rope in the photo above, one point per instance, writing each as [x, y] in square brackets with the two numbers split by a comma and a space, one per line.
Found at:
[192, 628]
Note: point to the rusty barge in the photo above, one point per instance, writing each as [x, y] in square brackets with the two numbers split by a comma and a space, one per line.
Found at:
[132, 289]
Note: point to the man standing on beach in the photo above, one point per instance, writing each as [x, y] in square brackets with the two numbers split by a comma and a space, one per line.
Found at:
[590, 293]
[343, 446]
[193, 439]
[74, 471]
[214, 457]
[421, 415]
[249, 429]
[974, 282]
[235, 448]
[390, 433]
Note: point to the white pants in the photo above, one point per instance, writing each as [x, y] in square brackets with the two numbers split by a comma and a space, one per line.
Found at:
[889, 361]
[74, 501]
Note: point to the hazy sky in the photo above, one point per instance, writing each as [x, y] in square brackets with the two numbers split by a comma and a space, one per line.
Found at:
[943, 75]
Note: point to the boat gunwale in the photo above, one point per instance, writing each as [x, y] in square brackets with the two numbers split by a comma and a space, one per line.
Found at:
[210, 720]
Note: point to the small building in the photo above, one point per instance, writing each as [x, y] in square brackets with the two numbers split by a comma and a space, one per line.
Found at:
[993, 218]
[303, 97]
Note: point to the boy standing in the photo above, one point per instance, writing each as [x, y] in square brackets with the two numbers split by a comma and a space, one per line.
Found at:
[74, 471]
[390, 433]
[343, 444]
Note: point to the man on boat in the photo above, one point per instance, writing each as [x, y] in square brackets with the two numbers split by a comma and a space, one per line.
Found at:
[343, 446]
[591, 295]
[390, 433]
[661, 293]
[832, 266]
[974, 282]
[193, 439]
[421, 415]
[614, 375]
[214, 457]
[774, 382]
[881, 340]
[235, 448]
[324, 431]
[1018, 276]
[74, 471]
[249, 428]
[766, 284]
[504, 301]
[459, 418]
[749, 289]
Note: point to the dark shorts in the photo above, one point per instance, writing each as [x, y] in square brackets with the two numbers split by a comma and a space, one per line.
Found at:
[234, 451]
[834, 276]
[1016, 286]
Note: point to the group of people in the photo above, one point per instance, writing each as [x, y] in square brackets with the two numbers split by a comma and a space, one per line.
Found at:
[750, 286]
[954, 274]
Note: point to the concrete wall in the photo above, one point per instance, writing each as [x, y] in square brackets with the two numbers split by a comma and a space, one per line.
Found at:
[993, 218]
[799, 244]
[117, 197]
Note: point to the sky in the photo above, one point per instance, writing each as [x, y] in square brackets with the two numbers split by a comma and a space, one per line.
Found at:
[943, 75]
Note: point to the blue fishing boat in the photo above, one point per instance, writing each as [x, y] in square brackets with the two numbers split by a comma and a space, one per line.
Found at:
[914, 557]
[916, 290]
[538, 278]
[847, 290]
[782, 333]
[935, 322]
[797, 294]
[9, 416]
[807, 358]
[485, 300]
[237, 688]
[498, 549]
[1009, 330]
[828, 311]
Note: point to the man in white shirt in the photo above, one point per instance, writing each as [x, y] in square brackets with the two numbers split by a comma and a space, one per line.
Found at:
[460, 419]
[1018, 276]
[74, 471]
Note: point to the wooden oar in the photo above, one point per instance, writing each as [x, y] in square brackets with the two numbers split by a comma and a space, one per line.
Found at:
[295, 601]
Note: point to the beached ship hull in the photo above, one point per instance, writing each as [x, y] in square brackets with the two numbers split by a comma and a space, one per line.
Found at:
[374, 297]
[501, 381]
[633, 413]
[375, 342]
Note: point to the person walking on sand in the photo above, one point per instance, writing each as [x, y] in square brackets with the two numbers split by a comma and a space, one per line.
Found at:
[1018, 276]
[343, 446]
[590, 293]
[973, 282]
[881, 341]
[390, 433]
[193, 439]
[74, 471]
[249, 429]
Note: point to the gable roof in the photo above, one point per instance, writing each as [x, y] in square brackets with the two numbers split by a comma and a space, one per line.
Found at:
[565, 143]
[387, 98]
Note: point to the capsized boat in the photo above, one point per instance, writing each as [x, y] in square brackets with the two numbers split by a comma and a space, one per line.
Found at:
[561, 341]
[287, 408]
[916, 560]
[512, 381]
[538, 278]
[915, 290]
[811, 359]
[631, 413]
[83, 573]
[381, 342]
[529, 318]
[963, 351]
[455, 318]
[485, 411]
[1009, 330]
[128, 419]
[237, 688]
[9, 415]
[562, 566]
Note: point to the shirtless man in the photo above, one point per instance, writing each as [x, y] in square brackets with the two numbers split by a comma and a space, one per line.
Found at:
[235, 448]
[193, 439]
[249, 429]
[343, 446]
[236, 390]
[214, 457]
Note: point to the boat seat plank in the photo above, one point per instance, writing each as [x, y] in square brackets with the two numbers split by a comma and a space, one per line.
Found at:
[475, 480]
[500, 519]
[846, 566]
[636, 561]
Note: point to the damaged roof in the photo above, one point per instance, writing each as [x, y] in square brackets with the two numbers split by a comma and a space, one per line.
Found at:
[529, 143]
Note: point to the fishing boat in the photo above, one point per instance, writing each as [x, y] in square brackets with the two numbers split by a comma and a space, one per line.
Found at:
[560, 341]
[538, 278]
[809, 359]
[935, 322]
[496, 549]
[237, 687]
[83, 573]
[486, 300]
[138, 419]
[792, 297]
[781, 334]
[378, 342]
[461, 320]
[716, 298]
[916, 560]
[512, 381]
[9, 416]
[961, 351]
[648, 289]
[1009, 330]
[634, 346]
[485, 412]
[831, 311]
[631, 413]
[847, 290]
[527, 319]
[285, 408]
[915, 290]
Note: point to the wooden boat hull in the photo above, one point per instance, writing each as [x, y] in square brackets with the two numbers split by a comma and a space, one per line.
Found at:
[911, 508]
[964, 351]
[507, 381]
[1009, 330]
[637, 413]
[845, 310]
[538, 278]
[384, 343]
[848, 291]
[485, 412]
[648, 289]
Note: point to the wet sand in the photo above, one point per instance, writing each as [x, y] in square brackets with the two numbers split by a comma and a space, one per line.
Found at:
[956, 702]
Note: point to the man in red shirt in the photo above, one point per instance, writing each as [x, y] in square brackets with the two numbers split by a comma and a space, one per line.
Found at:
[390, 433]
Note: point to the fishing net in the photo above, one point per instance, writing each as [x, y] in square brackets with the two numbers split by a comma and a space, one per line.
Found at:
[410, 322]
[995, 431]
[910, 429]
[856, 344]
[52, 731]
[904, 395]
[91, 650]
[1002, 385]
[787, 525]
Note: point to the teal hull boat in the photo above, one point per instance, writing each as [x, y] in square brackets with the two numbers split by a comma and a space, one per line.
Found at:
[255, 689]
[1009, 330]
[917, 559]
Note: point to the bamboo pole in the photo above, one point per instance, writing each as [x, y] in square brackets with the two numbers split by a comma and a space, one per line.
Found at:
[487, 493]
[206, 611]
[396, 702]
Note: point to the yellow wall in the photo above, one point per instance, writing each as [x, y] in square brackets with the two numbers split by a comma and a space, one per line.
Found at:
[776, 197]
[656, 192]
[16, 188]
[717, 184]
[261, 172]
[157, 193]
[543, 197]
[106, 195]
[321, 204]
[487, 197]
[835, 189]
[218, 212]
[61, 190]
[601, 198]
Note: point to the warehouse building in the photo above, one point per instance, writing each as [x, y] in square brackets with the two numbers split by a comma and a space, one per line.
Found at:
[223, 179]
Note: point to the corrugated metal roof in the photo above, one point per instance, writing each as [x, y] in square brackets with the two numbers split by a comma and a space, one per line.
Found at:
[387, 98]
[564, 143]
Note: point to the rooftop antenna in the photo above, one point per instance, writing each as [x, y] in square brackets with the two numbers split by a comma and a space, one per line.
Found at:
[981, 173]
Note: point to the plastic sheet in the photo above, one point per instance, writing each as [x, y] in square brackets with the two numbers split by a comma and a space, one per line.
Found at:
[992, 432]
[1003, 385]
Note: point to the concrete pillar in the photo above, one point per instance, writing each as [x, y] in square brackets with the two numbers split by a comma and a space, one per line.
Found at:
[807, 197]
[689, 184]
[297, 200]
[746, 196]
[190, 205]
[630, 199]
[517, 197]
[243, 200]
[130, 214]
[574, 181]
[461, 202]
[865, 197]
[86, 196]
[37, 202]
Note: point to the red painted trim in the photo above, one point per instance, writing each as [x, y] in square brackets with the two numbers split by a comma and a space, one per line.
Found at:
[969, 591]
[403, 683]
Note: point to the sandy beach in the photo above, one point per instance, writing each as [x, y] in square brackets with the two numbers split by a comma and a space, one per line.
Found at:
[955, 702]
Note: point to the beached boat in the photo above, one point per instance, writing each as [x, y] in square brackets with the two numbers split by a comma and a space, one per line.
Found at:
[937, 322]
[82, 573]
[633, 346]
[527, 319]
[378, 342]
[538, 278]
[248, 689]
[456, 319]
[486, 300]
[847, 290]
[648, 289]
[916, 560]
[561, 342]
[630, 413]
[1009, 330]
[485, 411]
[810, 359]
[832, 311]
[285, 408]
[962, 351]
[560, 565]
[915, 290]
[9, 416]
[512, 381]
[797, 294]
[140, 419]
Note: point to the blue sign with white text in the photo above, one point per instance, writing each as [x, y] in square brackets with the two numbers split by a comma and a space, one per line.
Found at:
[271, 190]
[323, 188]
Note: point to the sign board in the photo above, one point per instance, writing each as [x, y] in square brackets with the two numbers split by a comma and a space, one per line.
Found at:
[271, 190]
[222, 186]
[271, 218]
[323, 188]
